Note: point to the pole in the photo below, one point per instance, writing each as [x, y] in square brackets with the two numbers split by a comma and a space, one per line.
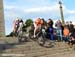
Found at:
[61, 12]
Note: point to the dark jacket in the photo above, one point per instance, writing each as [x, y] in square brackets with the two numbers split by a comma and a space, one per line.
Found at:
[71, 28]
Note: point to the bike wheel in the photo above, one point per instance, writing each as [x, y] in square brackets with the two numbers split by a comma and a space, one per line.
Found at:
[41, 41]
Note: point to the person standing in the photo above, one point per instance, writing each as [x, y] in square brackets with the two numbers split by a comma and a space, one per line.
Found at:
[16, 26]
[71, 27]
[59, 30]
[50, 29]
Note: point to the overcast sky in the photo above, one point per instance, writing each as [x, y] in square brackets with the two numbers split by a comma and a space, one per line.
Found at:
[36, 8]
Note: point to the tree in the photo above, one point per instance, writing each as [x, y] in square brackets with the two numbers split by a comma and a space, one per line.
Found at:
[28, 22]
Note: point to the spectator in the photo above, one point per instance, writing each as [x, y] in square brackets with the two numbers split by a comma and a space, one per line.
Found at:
[20, 30]
[50, 28]
[20, 25]
[16, 26]
[71, 27]
[67, 24]
[66, 33]
[58, 24]
[72, 38]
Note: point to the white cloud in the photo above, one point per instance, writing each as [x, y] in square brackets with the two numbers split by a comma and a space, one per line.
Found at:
[71, 11]
[42, 9]
[68, 11]
[73, 23]
[9, 7]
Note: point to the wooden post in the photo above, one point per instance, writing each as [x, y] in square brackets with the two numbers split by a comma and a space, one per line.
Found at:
[2, 24]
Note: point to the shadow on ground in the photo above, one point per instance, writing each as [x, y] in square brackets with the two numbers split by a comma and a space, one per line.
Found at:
[5, 46]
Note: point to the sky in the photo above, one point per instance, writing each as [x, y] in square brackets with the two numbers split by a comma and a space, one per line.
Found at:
[36, 8]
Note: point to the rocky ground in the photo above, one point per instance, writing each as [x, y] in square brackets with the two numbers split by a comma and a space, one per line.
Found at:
[10, 47]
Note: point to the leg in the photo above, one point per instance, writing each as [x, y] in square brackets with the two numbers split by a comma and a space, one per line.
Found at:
[60, 34]
[52, 37]
[35, 32]
[51, 34]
